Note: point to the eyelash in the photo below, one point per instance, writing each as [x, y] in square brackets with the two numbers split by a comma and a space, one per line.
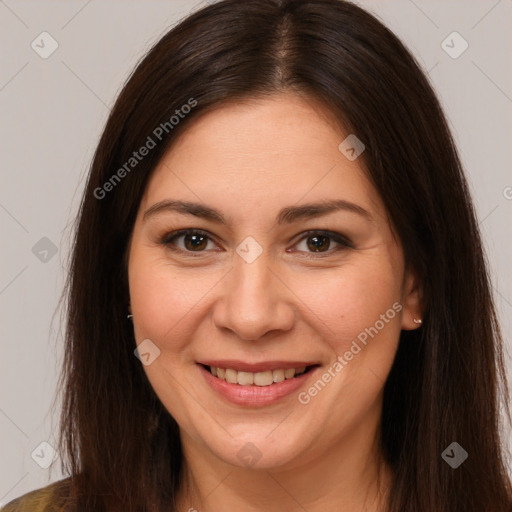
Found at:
[344, 242]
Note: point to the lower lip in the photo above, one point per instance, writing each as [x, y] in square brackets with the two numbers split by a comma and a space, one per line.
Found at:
[255, 395]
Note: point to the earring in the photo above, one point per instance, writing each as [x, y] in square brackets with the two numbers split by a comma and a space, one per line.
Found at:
[417, 321]
[129, 317]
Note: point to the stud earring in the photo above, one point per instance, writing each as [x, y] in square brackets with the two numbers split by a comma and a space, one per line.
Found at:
[129, 317]
[417, 321]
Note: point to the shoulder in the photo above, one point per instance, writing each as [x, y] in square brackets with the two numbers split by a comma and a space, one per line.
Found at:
[44, 499]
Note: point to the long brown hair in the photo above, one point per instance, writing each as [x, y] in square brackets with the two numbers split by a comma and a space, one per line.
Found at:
[122, 447]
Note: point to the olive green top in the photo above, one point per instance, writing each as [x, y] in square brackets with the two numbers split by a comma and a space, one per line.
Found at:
[40, 500]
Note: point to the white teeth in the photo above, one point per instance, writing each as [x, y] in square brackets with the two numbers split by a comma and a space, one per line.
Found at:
[278, 375]
[231, 376]
[265, 378]
[245, 378]
[289, 373]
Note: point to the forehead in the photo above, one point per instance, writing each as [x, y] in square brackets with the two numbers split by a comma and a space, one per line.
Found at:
[262, 152]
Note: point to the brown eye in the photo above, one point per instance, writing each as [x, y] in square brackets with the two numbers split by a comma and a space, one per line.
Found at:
[318, 243]
[321, 242]
[194, 241]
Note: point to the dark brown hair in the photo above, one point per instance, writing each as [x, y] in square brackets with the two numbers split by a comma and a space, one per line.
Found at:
[123, 448]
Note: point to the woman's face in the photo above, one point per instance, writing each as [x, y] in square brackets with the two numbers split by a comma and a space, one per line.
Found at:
[263, 284]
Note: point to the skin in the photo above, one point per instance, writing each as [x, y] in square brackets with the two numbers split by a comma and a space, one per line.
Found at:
[248, 160]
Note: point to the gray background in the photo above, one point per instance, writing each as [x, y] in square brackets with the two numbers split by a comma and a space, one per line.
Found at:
[53, 111]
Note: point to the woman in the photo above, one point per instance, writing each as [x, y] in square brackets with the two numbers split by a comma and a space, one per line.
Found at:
[278, 298]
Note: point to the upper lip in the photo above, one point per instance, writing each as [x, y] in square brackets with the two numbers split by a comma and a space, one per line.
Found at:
[255, 367]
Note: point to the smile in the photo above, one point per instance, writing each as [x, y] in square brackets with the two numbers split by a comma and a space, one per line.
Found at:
[259, 387]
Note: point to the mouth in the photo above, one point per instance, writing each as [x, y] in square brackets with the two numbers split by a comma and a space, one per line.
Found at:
[256, 385]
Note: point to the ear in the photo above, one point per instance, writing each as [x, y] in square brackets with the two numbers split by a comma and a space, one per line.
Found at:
[412, 301]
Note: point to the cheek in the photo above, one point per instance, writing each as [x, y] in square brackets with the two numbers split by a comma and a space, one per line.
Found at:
[159, 299]
[361, 305]
[352, 301]
[161, 303]
[168, 303]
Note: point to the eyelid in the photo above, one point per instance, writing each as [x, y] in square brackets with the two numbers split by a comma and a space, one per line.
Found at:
[338, 238]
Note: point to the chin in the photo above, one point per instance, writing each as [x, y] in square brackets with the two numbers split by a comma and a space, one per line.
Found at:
[261, 448]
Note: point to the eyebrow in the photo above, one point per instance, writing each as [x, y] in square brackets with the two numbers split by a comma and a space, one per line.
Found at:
[286, 215]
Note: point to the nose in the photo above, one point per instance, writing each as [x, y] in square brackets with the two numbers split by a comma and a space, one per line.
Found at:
[255, 300]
